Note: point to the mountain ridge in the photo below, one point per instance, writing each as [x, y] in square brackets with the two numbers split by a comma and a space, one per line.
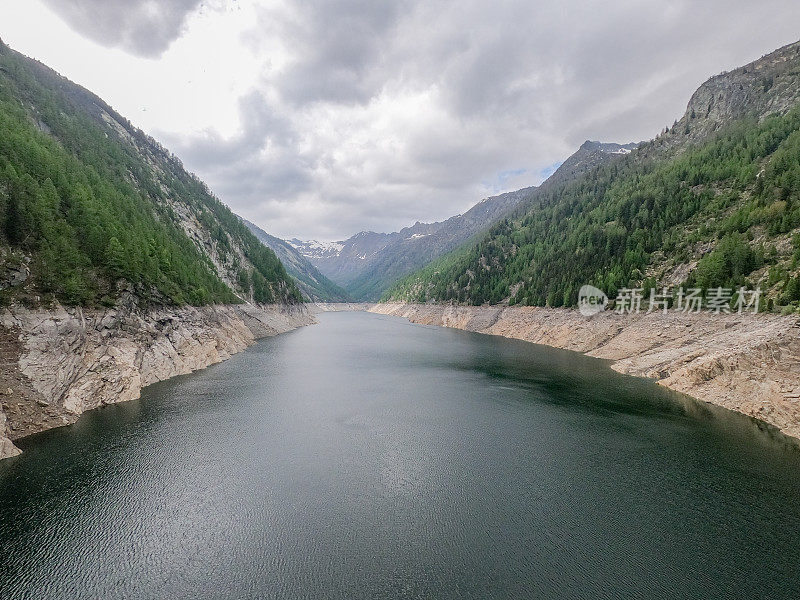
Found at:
[712, 201]
[367, 263]
[93, 207]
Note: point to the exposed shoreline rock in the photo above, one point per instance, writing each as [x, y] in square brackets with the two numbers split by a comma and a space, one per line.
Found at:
[57, 364]
[746, 363]
[321, 307]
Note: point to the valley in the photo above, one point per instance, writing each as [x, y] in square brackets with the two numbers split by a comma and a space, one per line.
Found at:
[708, 202]
[368, 263]
[585, 384]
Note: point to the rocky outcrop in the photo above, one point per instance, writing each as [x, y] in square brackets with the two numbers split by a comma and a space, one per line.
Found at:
[7, 447]
[322, 307]
[764, 87]
[57, 364]
[747, 363]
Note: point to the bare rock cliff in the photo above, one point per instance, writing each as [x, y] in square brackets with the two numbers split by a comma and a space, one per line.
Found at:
[56, 364]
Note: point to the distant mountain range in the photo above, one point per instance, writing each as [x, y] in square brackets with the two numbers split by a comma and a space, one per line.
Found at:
[313, 284]
[713, 202]
[366, 264]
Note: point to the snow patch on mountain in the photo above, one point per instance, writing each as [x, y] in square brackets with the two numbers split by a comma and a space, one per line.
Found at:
[316, 249]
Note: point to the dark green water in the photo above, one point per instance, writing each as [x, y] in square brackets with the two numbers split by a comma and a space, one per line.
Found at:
[366, 457]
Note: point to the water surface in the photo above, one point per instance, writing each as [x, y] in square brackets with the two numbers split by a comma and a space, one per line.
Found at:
[366, 457]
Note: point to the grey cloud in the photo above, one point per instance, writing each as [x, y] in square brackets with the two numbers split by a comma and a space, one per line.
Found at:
[264, 128]
[142, 27]
[260, 163]
[335, 45]
[508, 85]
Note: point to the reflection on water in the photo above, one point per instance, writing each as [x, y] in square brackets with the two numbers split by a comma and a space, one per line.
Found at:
[366, 457]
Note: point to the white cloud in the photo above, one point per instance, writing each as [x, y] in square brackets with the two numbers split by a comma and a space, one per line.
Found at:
[322, 119]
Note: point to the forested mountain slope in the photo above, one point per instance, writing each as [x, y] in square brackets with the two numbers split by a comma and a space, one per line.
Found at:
[416, 246]
[409, 253]
[90, 207]
[368, 263]
[713, 201]
[313, 284]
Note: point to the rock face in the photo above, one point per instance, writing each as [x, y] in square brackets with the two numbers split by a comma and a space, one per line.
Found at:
[312, 283]
[56, 364]
[747, 363]
[764, 87]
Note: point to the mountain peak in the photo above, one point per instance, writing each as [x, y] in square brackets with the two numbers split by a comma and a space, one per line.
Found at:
[609, 147]
[766, 86]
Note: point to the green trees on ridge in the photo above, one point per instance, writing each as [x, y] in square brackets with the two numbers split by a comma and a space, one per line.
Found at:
[608, 227]
[91, 208]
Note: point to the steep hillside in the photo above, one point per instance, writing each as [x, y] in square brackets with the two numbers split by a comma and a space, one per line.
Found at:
[416, 246]
[313, 284]
[91, 207]
[343, 261]
[368, 263]
[714, 201]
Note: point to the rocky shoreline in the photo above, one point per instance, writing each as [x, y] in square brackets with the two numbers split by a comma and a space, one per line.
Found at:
[57, 364]
[746, 363]
[322, 307]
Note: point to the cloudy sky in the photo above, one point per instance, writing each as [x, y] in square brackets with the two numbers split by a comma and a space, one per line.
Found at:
[321, 119]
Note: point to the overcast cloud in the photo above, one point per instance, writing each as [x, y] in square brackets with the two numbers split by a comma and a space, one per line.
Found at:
[143, 27]
[321, 119]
